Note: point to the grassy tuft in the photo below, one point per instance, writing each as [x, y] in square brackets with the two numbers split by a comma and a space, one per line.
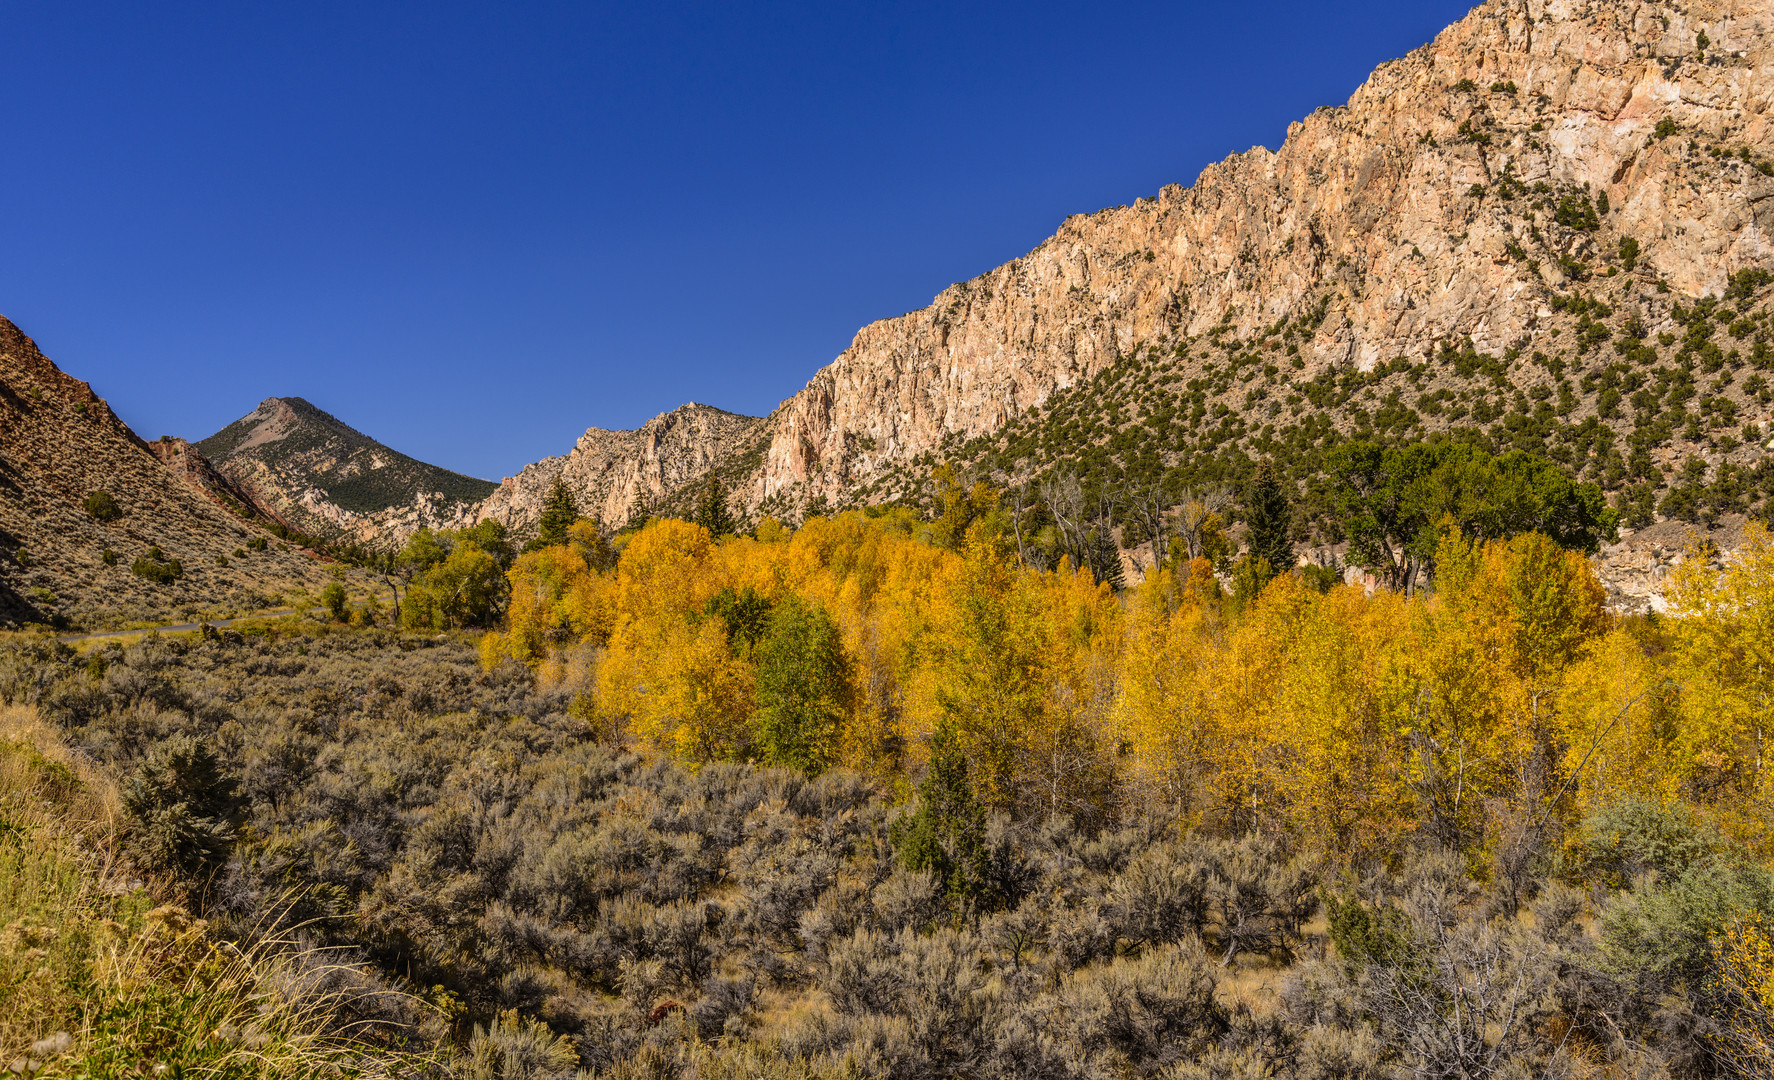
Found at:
[98, 979]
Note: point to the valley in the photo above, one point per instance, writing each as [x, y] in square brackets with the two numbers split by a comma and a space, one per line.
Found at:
[1311, 623]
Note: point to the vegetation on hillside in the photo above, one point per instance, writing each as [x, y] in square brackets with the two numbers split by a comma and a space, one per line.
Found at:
[876, 797]
[363, 476]
[1654, 422]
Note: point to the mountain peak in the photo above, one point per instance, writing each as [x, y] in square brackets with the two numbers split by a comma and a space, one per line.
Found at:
[60, 446]
[325, 476]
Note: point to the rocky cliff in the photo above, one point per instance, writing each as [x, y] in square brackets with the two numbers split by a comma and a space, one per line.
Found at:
[1546, 230]
[67, 554]
[616, 474]
[322, 477]
[1409, 213]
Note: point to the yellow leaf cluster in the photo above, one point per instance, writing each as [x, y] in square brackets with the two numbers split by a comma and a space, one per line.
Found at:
[1345, 718]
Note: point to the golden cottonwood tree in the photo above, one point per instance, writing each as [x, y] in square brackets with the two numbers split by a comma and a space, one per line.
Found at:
[1724, 638]
[1506, 698]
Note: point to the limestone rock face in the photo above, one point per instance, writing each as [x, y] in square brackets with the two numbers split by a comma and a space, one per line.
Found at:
[615, 474]
[1368, 209]
[1475, 189]
[313, 472]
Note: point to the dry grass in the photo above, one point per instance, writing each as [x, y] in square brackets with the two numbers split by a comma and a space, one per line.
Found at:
[98, 979]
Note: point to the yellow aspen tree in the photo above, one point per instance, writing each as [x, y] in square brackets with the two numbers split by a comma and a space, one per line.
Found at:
[1724, 643]
[981, 664]
[1165, 711]
[1335, 775]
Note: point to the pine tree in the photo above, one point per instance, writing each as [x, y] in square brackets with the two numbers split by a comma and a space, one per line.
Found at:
[558, 514]
[711, 510]
[1105, 557]
[946, 834]
[1270, 516]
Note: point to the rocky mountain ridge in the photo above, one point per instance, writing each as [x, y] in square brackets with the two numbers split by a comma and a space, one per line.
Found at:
[319, 475]
[84, 503]
[1383, 219]
[1523, 233]
[615, 475]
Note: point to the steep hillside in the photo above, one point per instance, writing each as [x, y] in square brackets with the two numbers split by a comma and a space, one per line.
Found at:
[321, 476]
[615, 474]
[1542, 230]
[188, 464]
[1535, 160]
[65, 553]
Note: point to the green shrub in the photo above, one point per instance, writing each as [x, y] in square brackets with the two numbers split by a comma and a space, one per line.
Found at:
[1576, 211]
[257, 543]
[1745, 283]
[109, 557]
[157, 568]
[102, 506]
[181, 808]
[333, 599]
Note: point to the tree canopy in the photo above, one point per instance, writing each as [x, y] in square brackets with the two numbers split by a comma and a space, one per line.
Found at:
[1395, 502]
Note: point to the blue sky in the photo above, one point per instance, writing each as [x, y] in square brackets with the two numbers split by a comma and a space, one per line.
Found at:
[472, 231]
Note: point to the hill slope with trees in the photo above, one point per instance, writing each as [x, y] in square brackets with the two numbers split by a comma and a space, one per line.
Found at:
[1544, 231]
[325, 478]
[94, 526]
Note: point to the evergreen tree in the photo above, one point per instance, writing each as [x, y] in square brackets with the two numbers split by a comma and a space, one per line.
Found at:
[1105, 556]
[558, 514]
[1269, 514]
[711, 510]
[947, 833]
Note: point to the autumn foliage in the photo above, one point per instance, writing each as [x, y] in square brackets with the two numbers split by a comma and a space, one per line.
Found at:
[1506, 700]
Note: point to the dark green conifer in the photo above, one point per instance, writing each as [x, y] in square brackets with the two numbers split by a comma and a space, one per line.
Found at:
[1105, 556]
[558, 513]
[1270, 514]
[711, 509]
[946, 834]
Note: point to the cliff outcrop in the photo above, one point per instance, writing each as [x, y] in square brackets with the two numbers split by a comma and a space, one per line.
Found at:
[614, 475]
[1408, 213]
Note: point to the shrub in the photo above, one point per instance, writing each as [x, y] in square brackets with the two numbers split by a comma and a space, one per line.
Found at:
[102, 506]
[1576, 211]
[513, 1048]
[723, 1002]
[157, 571]
[1745, 283]
[1161, 898]
[181, 808]
[1260, 896]
[333, 599]
[1152, 1012]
